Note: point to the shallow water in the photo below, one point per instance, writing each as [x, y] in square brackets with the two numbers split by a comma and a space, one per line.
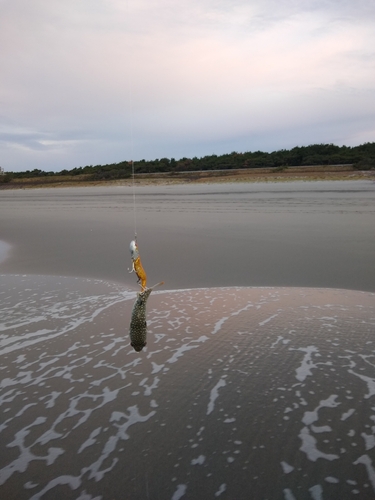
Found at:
[4, 250]
[319, 234]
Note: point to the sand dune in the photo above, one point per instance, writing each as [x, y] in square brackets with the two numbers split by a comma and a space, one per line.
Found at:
[240, 393]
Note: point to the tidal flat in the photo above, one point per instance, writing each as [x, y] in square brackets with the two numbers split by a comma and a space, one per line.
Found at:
[257, 380]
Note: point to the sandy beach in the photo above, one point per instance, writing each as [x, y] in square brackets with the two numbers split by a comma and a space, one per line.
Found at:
[240, 393]
[257, 380]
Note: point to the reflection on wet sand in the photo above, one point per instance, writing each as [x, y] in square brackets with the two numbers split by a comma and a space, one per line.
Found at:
[4, 250]
[240, 393]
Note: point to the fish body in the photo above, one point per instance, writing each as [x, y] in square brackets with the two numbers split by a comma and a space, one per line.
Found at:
[137, 265]
[138, 323]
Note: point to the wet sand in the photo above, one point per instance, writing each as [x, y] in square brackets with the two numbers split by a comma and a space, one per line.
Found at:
[242, 391]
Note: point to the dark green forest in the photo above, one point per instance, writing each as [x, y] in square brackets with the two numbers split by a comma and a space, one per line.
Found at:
[361, 157]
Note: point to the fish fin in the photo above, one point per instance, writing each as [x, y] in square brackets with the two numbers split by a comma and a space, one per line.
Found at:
[157, 284]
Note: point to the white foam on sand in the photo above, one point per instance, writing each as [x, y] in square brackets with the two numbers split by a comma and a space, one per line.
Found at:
[180, 492]
[72, 386]
[214, 395]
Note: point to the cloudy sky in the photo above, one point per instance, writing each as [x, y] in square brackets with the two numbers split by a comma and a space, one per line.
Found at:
[84, 82]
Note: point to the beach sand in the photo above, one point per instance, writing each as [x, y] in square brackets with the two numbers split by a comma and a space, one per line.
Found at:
[240, 393]
[257, 380]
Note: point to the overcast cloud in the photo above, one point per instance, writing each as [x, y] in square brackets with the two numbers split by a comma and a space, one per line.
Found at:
[99, 81]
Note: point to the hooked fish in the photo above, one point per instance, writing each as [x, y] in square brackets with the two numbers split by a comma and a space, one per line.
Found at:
[137, 265]
[138, 324]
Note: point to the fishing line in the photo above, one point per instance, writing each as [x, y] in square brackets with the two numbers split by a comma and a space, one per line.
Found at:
[132, 151]
[134, 204]
[130, 109]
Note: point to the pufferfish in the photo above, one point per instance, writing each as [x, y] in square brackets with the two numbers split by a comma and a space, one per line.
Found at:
[138, 324]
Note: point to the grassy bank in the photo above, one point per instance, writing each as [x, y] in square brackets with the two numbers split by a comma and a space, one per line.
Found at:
[279, 174]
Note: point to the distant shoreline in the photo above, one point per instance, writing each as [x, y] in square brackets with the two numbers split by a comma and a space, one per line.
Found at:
[282, 174]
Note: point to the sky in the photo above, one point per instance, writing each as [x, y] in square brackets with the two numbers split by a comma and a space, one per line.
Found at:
[88, 82]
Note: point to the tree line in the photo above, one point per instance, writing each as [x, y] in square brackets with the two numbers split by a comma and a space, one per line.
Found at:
[361, 157]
